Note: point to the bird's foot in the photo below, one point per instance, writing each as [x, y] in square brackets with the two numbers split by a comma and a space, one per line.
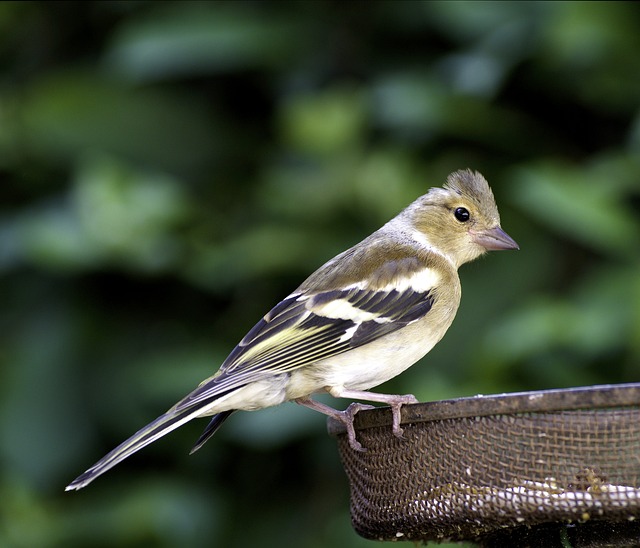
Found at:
[348, 415]
[345, 417]
[396, 403]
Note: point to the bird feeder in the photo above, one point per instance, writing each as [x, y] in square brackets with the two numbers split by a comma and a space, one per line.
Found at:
[547, 468]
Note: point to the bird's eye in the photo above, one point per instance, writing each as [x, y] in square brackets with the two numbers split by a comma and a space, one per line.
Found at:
[462, 214]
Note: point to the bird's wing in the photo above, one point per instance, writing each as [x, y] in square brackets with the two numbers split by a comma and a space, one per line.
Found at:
[306, 328]
[311, 326]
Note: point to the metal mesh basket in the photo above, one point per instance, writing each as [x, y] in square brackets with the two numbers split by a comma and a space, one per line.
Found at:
[486, 468]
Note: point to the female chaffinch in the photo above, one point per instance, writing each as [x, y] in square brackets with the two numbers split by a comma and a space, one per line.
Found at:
[359, 320]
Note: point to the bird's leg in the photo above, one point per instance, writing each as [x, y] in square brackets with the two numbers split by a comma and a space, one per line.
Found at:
[345, 417]
[395, 401]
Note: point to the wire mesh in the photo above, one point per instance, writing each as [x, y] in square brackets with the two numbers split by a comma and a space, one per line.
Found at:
[477, 468]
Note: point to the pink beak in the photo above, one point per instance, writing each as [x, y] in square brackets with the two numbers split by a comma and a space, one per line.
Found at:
[494, 239]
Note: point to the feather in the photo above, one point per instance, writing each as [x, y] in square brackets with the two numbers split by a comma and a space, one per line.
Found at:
[215, 423]
[172, 419]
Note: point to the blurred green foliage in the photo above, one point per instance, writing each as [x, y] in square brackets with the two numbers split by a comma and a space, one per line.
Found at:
[169, 171]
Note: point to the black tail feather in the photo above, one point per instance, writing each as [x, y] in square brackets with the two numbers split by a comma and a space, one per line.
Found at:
[211, 429]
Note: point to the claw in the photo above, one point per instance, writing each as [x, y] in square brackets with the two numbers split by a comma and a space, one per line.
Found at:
[348, 415]
[345, 417]
[396, 406]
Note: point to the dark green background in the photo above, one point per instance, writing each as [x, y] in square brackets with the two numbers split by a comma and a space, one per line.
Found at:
[169, 171]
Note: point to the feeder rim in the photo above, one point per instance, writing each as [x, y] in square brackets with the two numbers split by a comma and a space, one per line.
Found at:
[538, 401]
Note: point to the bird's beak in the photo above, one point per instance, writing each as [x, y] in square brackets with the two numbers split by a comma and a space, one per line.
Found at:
[494, 239]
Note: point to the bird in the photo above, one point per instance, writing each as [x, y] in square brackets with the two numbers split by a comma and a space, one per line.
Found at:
[362, 318]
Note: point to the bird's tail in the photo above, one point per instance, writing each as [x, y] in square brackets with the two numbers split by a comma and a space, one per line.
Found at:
[164, 424]
[211, 429]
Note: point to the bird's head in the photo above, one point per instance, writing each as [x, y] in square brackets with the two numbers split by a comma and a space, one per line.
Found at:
[461, 219]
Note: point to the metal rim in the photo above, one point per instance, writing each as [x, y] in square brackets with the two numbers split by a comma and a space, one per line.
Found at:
[541, 401]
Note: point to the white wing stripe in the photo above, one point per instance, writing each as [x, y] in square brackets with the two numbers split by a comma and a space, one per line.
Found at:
[342, 309]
